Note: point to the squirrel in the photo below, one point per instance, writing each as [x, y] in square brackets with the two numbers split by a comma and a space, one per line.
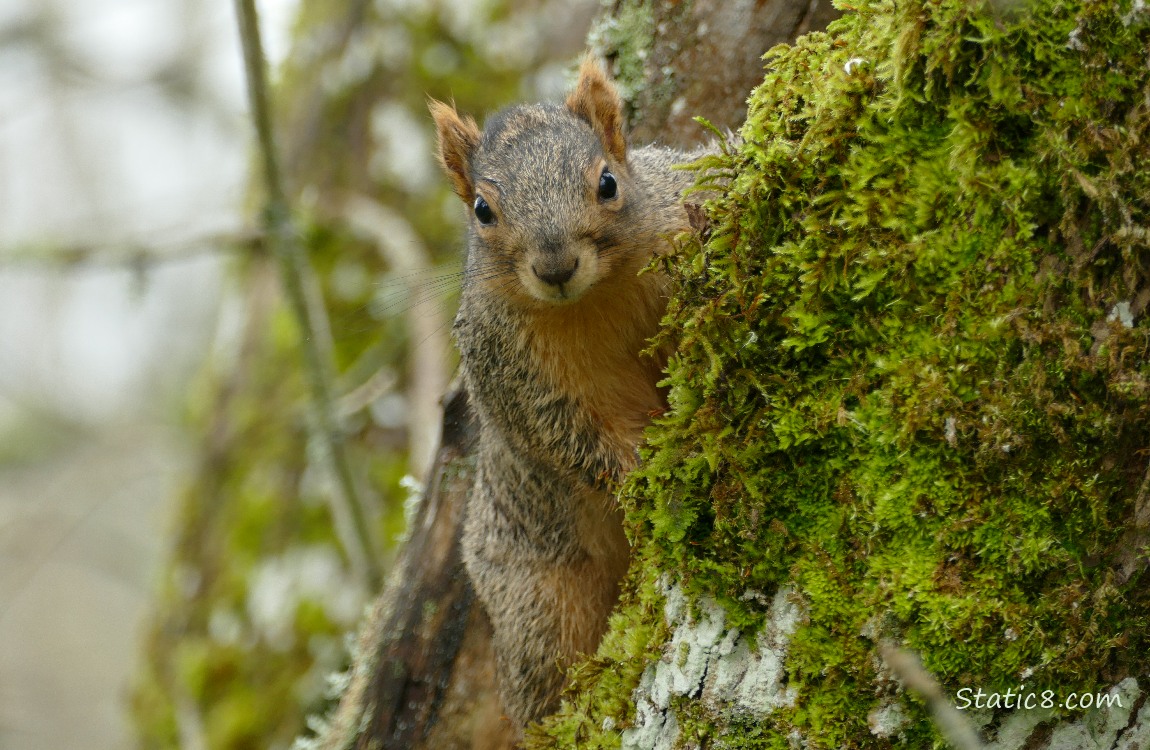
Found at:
[553, 319]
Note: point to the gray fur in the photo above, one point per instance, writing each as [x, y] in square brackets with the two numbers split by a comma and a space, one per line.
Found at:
[542, 527]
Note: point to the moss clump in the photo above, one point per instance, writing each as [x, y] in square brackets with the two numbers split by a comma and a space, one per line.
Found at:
[626, 38]
[911, 373]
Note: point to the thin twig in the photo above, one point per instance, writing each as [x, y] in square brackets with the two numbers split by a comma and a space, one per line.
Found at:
[129, 254]
[284, 243]
[954, 726]
[1132, 548]
[428, 323]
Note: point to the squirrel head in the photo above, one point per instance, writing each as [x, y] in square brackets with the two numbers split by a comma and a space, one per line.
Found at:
[548, 190]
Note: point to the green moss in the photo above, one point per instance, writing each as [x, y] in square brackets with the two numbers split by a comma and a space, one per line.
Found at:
[900, 382]
[626, 37]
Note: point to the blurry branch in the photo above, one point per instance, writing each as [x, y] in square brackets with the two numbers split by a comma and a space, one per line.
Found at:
[1133, 547]
[427, 322]
[284, 244]
[189, 720]
[41, 31]
[954, 726]
[130, 254]
[364, 395]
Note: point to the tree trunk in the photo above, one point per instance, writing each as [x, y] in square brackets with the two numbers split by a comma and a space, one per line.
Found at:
[678, 61]
[900, 496]
[423, 673]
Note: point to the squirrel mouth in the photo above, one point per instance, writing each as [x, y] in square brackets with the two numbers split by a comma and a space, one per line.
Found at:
[560, 276]
[554, 280]
[554, 274]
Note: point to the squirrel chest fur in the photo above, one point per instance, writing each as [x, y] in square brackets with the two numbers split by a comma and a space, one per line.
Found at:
[553, 318]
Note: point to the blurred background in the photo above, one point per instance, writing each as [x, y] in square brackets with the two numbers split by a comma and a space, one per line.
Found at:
[173, 571]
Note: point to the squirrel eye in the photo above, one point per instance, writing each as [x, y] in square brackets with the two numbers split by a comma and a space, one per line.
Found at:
[608, 188]
[483, 211]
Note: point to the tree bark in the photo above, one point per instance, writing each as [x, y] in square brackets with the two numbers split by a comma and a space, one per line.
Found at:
[705, 58]
[423, 674]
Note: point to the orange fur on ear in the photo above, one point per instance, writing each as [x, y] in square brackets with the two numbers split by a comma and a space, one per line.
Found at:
[596, 101]
[458, 137]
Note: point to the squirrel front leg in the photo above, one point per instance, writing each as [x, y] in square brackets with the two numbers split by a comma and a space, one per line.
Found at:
[545, 556]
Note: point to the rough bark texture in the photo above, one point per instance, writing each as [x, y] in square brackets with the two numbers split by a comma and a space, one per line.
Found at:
[423, 674]
[730, 676]
[700, 59]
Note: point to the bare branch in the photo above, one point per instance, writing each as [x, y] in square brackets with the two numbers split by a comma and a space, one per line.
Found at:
[284, 242]
[953, 725]
[129, 254]
[1132, 548]
[427, 323]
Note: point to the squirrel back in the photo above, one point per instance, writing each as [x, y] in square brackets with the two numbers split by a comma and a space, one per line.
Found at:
[554, 315]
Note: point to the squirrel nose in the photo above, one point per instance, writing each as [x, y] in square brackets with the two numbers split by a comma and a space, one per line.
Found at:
[554, 274]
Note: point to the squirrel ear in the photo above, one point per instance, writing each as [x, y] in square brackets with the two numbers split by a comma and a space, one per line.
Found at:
[596, 101]
[458, 139]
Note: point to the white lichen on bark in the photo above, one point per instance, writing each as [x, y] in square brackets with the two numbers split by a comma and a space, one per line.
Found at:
[731, 679]
[717, 665]
[1108, 727]
[887, 720]
[1122, 724]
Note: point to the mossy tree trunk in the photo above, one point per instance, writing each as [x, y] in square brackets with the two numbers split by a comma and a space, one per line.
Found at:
[675, 61]
[909, 404]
